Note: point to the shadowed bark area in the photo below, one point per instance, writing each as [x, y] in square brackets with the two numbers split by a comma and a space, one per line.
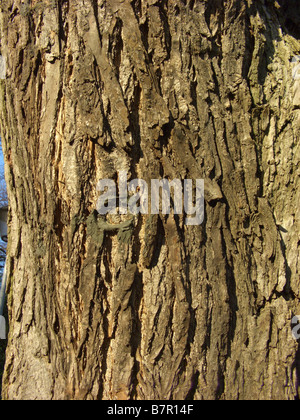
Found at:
[160, 89]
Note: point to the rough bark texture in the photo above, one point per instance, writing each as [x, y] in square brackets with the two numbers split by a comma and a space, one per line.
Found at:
[171, 89]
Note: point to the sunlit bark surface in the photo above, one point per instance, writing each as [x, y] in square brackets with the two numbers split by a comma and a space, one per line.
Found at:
[160, 89]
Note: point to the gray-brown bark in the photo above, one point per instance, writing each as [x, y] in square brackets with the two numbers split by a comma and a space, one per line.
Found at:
[171, 89]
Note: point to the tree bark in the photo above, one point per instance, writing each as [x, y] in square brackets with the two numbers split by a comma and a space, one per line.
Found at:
[160, 89]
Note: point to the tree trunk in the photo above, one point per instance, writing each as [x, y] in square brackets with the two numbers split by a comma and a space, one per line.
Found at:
[160, 89]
